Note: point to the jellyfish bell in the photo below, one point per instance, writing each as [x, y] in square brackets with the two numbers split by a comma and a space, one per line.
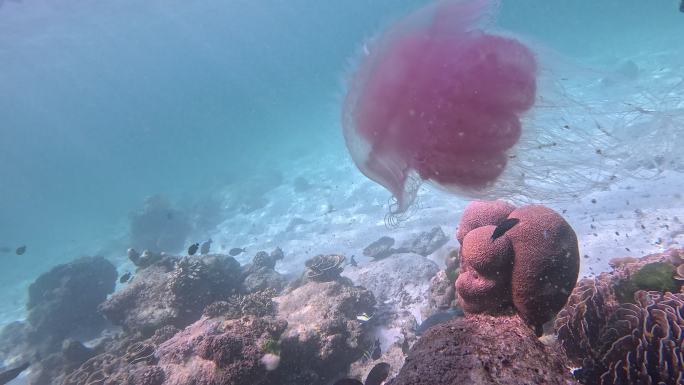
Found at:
[438, 99]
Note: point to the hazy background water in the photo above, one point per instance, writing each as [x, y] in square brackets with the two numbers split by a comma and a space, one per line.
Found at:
[103, 103]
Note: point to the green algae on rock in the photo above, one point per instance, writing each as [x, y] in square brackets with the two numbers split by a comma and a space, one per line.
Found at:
[656, 276]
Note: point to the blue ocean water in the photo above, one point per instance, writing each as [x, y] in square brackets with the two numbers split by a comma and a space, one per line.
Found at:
[104, 104]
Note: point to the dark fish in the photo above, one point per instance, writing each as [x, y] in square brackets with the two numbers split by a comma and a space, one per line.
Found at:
[681, 6]
[376, 350]
[11, 374]
[438, 318]
[378, 374]
[348, 381]
[124, 278]
[236, 251]
[21, 250]
[204, 249]
[193, 248]
[504, 226]
[353, 261]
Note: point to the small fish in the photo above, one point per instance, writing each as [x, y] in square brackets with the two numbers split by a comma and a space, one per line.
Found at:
[236, 251]
[504, 226]
[348, 381]
[21, 250]
[438, 318]
[125, 277]
[353, 262]
[364, 317]
[681, 6]
[9, 375]
[377, 352]
[378, 374]
[204, 249]
[193, 248]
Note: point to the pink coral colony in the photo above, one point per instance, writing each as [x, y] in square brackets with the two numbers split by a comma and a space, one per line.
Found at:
[531, 268]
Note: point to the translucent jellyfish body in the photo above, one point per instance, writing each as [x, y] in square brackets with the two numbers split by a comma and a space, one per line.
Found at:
[438, 98]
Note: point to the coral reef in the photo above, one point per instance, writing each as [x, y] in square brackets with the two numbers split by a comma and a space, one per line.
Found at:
[532, 265]
[261, 274]
[484, 350]
[59, 364]
[215, 351]
[323, 336]
[400, 281]
[158, 226]
[172, 292]
[443, 285]
[615, 341]
[325, 268]
[147, 258]
[130, 363]
[63, 302]
[258, 304]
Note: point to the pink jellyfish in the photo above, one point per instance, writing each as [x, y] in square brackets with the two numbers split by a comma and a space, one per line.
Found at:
[436, 98]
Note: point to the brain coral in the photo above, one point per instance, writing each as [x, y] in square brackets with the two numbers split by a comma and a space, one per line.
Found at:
[533, 265]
